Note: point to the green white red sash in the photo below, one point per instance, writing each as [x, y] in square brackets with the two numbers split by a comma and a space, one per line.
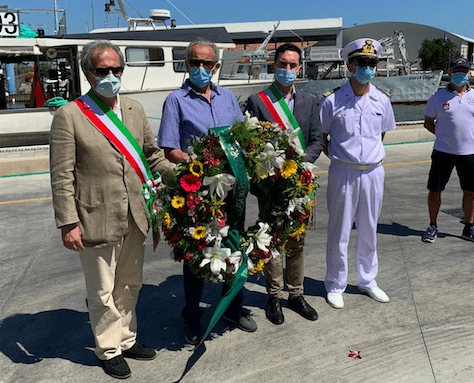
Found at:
[104, 119]
[281, 113]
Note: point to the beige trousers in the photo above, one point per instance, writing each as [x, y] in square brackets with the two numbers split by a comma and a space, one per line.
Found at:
[113, 280]
[294, 271]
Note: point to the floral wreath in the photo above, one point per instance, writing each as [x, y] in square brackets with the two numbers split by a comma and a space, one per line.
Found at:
[193, 205]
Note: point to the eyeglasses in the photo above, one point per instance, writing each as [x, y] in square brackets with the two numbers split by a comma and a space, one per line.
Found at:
[102, 72]
[197, 63]
[367, 62]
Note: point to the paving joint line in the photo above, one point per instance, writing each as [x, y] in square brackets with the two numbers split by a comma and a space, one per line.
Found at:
[412, 295]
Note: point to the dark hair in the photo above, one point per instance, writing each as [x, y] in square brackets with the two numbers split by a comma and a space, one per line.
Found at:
[287, 47]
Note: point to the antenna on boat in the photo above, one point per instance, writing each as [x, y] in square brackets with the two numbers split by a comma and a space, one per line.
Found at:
[174, 6]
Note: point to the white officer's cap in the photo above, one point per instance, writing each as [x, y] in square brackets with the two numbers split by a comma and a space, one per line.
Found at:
[361, 48]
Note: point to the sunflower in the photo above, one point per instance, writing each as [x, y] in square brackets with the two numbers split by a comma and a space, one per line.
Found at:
[199, 232]
[177, 202]
[288, 169]
[196, 168]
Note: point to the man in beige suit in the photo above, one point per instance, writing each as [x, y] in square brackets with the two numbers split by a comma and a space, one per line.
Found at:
[99, 205]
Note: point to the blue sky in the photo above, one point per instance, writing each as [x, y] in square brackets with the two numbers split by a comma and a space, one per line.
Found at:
[439, 14]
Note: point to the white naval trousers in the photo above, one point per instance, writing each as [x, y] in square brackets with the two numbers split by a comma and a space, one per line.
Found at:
[352, 196]
[113, 280]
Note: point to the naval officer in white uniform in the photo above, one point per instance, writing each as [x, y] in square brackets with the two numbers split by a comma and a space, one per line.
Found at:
[354, 120]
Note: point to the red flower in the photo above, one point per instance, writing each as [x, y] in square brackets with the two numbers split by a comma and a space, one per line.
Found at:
[211, 157]
[306, 177]
[188, 256]
[190, 205]
[302, 218]
[190, 183]
[290, 151]
[201, 244]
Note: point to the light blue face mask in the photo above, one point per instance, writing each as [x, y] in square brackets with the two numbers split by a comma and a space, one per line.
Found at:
[285, 77]
[459, 78]
[108, 86]
[364, 74]
[200, 76]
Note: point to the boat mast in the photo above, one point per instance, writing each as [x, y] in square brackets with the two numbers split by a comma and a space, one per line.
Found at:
[56, 25]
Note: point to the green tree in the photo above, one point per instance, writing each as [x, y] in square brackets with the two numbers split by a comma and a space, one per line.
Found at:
[436, 54]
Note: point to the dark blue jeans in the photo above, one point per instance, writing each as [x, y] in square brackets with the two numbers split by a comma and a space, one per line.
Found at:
[193, 287]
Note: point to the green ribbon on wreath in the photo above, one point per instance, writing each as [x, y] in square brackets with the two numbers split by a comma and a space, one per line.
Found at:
[232, 242]
[237, 164]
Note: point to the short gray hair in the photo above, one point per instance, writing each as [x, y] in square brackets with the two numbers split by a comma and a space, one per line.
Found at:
[86, 56]
[201, 41]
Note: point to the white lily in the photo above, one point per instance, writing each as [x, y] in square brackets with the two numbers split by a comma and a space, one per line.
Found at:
[235, 258]
[262, 238]
[215, 230]
[270, 159]
[293, 139]
[220, 183]
[251, 122]
[216, 256]
[275, 254]
[297, 203]
[250, 265]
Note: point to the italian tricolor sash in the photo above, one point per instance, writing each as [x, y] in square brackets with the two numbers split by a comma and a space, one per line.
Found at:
[107, 122]
[280, 112]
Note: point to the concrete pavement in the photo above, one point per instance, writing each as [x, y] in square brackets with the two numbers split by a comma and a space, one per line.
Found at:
[424, 334]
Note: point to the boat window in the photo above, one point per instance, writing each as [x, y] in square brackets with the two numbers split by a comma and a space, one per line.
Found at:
[144, 56]
[179, 55]
[241, 69]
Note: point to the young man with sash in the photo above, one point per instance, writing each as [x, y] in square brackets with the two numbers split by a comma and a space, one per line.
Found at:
[104, 163]
[188, 113]
[281, 103]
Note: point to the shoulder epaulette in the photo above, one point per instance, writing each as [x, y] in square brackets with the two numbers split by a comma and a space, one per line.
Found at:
[330, 92]
[383, 91]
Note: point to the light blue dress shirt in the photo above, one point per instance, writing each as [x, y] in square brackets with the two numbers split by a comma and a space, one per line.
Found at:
[188, 114]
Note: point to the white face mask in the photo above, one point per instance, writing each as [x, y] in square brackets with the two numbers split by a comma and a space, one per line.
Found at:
[107, 86]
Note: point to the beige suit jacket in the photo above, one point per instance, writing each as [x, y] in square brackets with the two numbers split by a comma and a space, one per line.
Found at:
[93, 184]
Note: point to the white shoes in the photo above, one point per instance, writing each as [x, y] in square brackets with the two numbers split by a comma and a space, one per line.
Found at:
[335, 300]
[376, 294]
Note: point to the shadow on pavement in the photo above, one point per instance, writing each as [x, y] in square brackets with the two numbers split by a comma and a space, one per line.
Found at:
[63, 333]
[66, 333]
[404, 231]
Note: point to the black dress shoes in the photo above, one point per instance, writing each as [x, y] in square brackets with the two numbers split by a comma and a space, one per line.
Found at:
[140, 352]
[274, 313]
[302, 307]
[116, 367]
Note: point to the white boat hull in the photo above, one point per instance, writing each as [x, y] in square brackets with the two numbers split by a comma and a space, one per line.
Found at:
[402, 89]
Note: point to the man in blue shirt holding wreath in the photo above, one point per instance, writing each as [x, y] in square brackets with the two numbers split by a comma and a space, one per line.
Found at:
[189, 112]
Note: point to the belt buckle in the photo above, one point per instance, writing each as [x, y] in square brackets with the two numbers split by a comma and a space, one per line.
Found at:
[362, 167]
